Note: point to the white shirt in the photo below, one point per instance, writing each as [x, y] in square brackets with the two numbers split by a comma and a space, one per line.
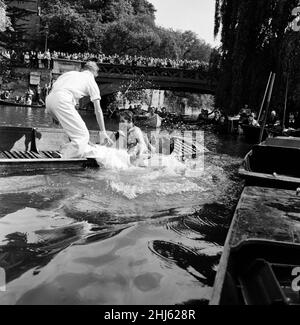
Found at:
[80, 84]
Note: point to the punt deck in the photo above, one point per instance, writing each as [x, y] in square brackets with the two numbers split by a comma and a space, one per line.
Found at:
[261, 251]
[24, 150]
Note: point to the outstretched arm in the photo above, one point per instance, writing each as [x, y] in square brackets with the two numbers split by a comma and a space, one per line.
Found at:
[100, 120]
[99, 115]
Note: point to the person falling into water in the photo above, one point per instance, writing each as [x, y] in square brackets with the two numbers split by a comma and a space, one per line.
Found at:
[60, 103]
[138, 145]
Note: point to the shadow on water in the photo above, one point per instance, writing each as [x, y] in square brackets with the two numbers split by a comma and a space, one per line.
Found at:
[210, 225]
[198, 265]
[18, 255]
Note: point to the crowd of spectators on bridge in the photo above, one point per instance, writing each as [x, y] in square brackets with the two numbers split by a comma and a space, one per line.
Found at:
[44, 60]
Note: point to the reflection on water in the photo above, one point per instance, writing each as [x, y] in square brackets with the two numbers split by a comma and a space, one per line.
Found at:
[138, 236]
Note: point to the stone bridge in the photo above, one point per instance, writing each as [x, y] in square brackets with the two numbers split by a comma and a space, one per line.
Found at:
[113, 78]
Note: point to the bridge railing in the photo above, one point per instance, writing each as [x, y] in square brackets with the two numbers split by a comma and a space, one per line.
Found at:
[153, 71]
[64, 65]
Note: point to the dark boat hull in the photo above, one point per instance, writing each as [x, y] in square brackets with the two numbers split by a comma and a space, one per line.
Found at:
[259, 272]
[261, 250]
[263, 242]
[252, 133]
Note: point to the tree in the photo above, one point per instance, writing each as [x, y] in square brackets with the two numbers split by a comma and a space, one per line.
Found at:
[192, 48]
[143, 8]
[116, 26]
[4, 19]
[130, 36]
[169, 47]
[80, 25]
[4, 25]
[252, 34]
[71, 31]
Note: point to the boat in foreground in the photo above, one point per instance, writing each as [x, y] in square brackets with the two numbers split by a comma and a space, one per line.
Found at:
[274, 162]
[262, 248]
[24, 150]
[262, 251]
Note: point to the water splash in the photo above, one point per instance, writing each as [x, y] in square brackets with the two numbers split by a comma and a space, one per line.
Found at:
[110, 158]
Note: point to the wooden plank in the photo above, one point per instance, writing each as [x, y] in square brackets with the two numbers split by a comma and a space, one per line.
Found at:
[24, 166]
[30, 155]
[262, 213]
[223, 264]
[8, 155]
[286, 142]
[47, 154]
[14, 155]
[269, 214]
[36, 155]
[41, 160]
[55, 154]
[17, 154]
[244, 173]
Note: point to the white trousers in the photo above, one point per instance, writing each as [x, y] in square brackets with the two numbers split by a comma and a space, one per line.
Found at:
[61, 105]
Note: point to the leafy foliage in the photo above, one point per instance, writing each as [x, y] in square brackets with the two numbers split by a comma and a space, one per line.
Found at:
[4, 19]
[117, 26]
[129, 36]
[253, 34]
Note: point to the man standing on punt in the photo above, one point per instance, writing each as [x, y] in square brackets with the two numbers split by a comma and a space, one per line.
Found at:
[60, 103]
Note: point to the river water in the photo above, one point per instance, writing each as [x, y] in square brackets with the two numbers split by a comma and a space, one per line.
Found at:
[137, 236]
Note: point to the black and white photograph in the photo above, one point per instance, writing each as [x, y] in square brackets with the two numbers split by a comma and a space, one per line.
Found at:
[150, 155]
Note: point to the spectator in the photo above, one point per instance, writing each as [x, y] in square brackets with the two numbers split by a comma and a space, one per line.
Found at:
[27, 59]
[252, 121]
[37, 59]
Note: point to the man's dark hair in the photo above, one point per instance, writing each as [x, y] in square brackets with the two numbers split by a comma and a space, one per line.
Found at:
[125, 116]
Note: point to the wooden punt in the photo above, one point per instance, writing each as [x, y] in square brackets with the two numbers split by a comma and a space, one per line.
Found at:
[263, 243]
[262, 250]
[26, 150]
[274, 162]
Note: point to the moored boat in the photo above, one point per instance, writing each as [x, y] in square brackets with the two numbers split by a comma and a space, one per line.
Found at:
[263, 243]
[262, 251]
[252, 133]
[13, 103]
[24, 150]
[274, 162]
